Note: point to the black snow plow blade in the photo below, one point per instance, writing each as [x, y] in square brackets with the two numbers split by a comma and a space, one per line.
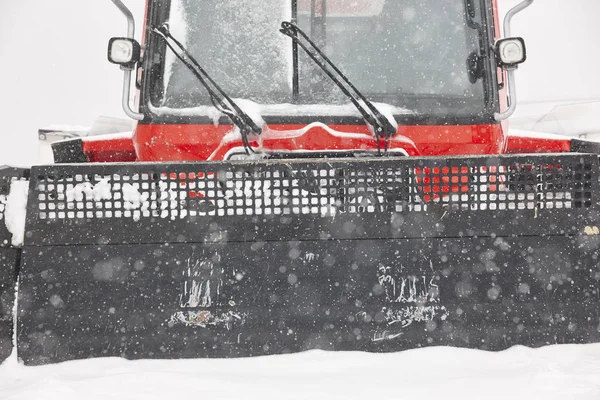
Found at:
[9, 261]
[248, 259]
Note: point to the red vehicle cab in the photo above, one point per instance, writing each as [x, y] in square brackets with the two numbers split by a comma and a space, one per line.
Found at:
[432, 68]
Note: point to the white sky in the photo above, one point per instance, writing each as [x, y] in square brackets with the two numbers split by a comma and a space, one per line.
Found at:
[54, 68]
[562, 45]
[58, 72]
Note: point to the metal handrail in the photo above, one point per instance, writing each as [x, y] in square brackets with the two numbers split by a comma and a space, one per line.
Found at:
[512, 87]
[128, 70]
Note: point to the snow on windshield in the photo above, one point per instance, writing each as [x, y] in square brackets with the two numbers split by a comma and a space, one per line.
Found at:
[397, 53]
[238, 46]
[178, 28]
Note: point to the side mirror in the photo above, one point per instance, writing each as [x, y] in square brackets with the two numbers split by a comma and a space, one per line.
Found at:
[511, 52]
[124, 52]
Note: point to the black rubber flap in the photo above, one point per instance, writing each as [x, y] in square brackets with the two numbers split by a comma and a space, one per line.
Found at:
[245, 259]
[7, 176]
[69, 151]
[9, 263]
[9, 259]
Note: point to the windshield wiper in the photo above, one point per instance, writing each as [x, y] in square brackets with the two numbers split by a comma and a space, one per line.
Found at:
[218, 97]
[382, 127]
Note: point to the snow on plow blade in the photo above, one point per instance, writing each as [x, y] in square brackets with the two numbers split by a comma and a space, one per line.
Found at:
[9, 261]
[253, 258]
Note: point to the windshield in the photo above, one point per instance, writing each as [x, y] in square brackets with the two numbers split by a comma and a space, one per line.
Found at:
[411, 54]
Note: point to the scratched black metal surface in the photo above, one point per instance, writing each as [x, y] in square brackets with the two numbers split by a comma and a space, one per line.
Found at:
[9, 259]
[270, 298]
[384, 279]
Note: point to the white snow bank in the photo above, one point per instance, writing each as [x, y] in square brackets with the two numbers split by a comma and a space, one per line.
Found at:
[326, 109]
[87, 191]
[210, 111]
[134, 200]
[388, 111]
[294, 133]
[570, 118]
[67, 128]
[529, 134]
[253, 110]
[278, 110]
[15, 211]
[108, 136]
[556, 372]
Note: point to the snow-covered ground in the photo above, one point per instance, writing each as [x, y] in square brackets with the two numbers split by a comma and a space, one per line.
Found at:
[556, 372]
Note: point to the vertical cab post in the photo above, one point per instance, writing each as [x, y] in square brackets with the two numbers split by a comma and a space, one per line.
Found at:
[510, 68]
[128, 68]
[10, 257]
